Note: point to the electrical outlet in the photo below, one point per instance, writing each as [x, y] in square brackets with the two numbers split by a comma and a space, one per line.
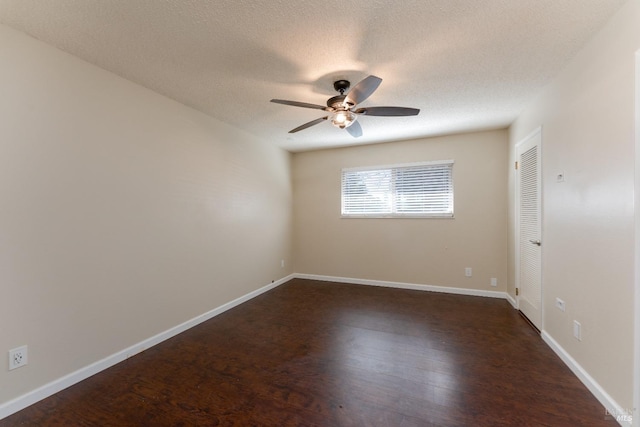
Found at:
[282, 263]
[577, 330]
[17, 357]
[494, 281]
[560, 304]
[467, 271]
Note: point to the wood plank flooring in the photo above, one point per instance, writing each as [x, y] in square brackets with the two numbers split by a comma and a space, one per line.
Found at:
[314, 353]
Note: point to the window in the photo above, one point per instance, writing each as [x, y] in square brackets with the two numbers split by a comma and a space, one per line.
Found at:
[411, 190]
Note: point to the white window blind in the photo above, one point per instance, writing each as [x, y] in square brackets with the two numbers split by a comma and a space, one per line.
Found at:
[413, 190]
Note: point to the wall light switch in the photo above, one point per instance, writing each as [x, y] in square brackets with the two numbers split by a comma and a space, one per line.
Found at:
[577, 330]
[560, 304]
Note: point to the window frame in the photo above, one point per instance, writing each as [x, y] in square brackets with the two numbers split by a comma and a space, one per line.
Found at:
[394, 168]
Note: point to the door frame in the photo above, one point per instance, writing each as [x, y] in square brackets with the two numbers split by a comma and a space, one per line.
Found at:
[531, 135]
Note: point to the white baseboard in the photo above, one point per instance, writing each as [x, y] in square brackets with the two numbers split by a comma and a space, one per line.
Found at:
[21, 402]
[401, 285]
[605, 399]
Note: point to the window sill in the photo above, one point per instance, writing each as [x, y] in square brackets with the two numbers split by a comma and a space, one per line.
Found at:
[397, 216]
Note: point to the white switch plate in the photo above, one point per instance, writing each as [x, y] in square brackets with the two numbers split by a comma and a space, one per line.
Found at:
[560, 304]
[577, 330]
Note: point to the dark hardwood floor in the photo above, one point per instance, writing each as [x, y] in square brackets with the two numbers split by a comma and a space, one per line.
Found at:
[314, 353]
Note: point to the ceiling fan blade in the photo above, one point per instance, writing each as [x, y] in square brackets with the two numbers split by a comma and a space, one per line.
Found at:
[301, 104]
[355, 129]
[309, 124]
[363, 90]
[388, 111]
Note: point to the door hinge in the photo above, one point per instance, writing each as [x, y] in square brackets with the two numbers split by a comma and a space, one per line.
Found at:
[517, 292]
[516, 166]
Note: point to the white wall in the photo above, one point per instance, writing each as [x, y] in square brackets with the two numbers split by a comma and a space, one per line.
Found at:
[587, 119]
[416, 251]
[122, 213]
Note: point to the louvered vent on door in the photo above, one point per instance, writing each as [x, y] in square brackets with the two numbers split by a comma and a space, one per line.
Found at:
[530, 280]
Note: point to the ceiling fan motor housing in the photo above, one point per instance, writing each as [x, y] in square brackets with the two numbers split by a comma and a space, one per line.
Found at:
[337, 102]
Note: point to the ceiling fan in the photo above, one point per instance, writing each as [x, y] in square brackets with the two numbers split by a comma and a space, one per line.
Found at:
[341, 107]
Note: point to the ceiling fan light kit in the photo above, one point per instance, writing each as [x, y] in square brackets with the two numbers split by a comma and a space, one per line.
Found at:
[343, 119]
[340, 106]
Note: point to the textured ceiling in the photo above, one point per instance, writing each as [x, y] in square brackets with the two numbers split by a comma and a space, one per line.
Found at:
[467, 64]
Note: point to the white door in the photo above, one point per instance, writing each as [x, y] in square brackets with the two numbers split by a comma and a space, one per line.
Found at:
[529, 262]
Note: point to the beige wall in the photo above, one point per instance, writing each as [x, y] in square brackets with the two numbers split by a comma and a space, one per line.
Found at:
[122, 213]
[418, 251]
[587, 119]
